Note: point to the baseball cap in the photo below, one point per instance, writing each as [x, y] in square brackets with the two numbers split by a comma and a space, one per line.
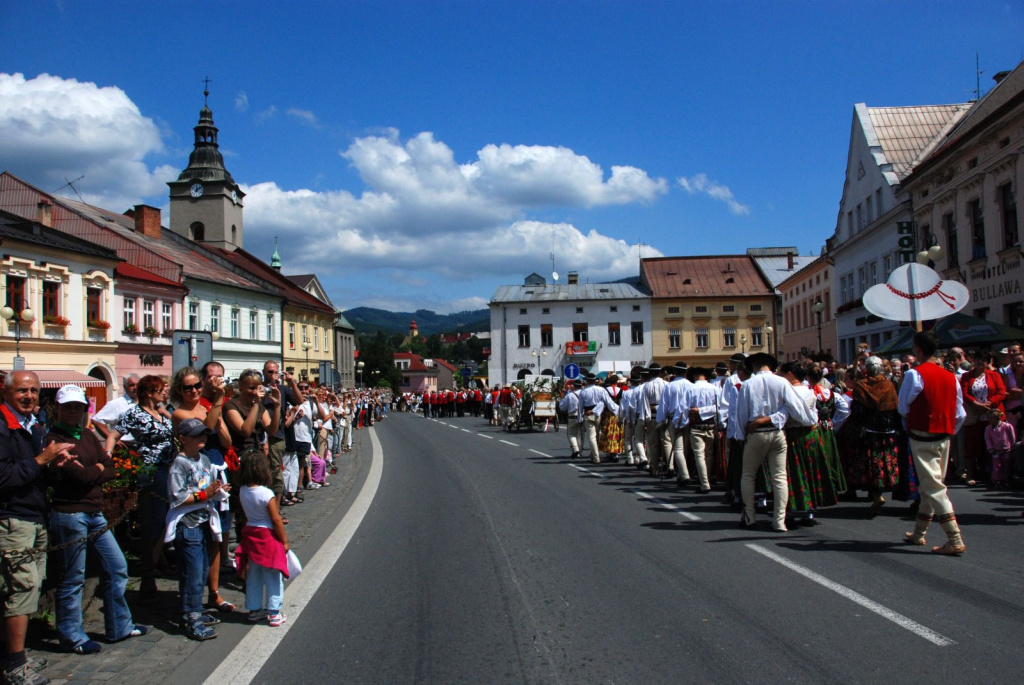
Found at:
[71, 393]
[193, 428]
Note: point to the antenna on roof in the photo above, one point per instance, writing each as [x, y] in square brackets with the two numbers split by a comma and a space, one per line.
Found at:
[977, 78]
[71, 184]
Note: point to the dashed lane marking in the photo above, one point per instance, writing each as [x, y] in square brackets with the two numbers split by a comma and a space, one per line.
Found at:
[542, 454]
[509, 443]
[854, 596]
[589, 472]
[666, 505]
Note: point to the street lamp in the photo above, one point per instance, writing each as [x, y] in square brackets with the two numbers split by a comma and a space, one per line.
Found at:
[214, 335]
[538, 355]
[768, 330]
[743, 343]
[818, 307]
[26, 316]
[306, 345]
[359, 368]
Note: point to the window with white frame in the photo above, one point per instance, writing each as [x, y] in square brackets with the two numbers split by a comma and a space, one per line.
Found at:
[756, 336]
[326, 338]
[305, 333]
[728, 308]
[524, 336]
[702, 338]
[614, 335]
[674, 338]
[148, 314]
[636, 332]
[729, 336]
[215, 318]
[270, 326]
[254, 325]
[235, 313]
[701, 309]
[166, 317]
[755, 307]
[316, 339]
[129, 313]
[291, 336]
[193, 316]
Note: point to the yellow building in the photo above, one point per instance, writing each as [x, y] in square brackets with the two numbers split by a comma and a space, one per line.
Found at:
[705, 309]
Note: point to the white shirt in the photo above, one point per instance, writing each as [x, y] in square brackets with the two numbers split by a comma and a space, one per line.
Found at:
[807, 395]
[255, 500]
[766, 394]
[842, 411]
[627, 412]
[702, 395]
[650, 394]
[303, 425]
[570, 403]
[668, 408]
[597, 397]
[727, 405]
[112, 411]
[912, 386]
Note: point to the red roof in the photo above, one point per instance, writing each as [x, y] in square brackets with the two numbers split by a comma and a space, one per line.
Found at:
[293, 294]
[703, 277]
[445, 364]
[415, 362]
[126, 270]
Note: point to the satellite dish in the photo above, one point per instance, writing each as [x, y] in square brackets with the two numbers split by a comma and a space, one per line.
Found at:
[554, 275]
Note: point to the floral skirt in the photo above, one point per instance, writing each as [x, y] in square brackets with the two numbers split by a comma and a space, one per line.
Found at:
[810, 484]
[610, 434]
[830, 449]
[874, 463]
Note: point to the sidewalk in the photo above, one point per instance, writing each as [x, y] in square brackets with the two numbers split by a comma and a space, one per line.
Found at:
[147, 659]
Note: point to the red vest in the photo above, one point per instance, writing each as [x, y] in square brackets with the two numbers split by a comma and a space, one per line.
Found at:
[934, 409]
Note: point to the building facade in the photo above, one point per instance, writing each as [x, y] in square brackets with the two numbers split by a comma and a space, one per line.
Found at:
[806, 332]
[964, 199]
[538, 329]
[705, 309]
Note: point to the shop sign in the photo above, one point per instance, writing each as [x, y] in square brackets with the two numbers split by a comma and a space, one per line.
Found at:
[574, 348]
[151, 359]
[523, 366]
[1007, 284]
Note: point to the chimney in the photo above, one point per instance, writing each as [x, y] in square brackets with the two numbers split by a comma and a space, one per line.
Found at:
[147, 221]
[998, 78]
[574, 278]
[789, 261]
[45, 213]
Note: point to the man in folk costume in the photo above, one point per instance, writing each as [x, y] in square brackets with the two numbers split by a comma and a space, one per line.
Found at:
[727, 408]
[763, 405]
[698, 408]
[506, 400]
[655, 435]
[594, 401]
[627, 417]
[669, 409]
[569, 404]
[932, 406]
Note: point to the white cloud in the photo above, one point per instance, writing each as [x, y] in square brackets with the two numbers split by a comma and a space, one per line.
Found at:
[303, 115]
[53, 130]
[266, 114]
[714, 190]
[241, 101]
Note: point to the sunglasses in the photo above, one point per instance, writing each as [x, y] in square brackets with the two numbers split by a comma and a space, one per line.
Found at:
[303, 387]
[194, 387]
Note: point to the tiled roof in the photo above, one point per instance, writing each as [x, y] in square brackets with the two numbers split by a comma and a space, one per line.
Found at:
[713, 276]
[450, 367]
[126, 270]
[907, 134]
[415, 362]
[15, 227]
[567, 293]
[772, 251]
[293, 294]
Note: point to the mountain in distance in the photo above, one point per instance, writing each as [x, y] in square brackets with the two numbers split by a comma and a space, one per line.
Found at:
[370, 320]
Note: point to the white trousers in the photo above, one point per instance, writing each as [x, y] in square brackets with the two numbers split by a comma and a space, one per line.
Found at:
[291, 471]
[759, 447]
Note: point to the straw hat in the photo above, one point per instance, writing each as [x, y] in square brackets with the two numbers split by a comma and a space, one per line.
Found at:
[915, 292]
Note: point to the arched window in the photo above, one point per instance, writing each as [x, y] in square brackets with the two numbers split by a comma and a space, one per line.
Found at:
[198, 231]
[234, 235]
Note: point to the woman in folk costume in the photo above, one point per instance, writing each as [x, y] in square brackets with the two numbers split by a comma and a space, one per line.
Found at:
[610, 429]
[825, 400]
[872, 439]
[810, 485]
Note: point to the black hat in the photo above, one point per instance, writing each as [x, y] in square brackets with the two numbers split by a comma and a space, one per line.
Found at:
[635, 379]
[681, 367]
[739, 358]
[721, 365]
[655, 367]
[759, 359]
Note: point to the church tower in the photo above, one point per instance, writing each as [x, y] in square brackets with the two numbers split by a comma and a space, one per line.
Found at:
[206, 203]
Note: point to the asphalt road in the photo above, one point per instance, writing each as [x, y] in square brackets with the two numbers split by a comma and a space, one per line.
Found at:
[481, 561]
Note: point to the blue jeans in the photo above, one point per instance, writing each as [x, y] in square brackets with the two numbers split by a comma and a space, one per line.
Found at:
[117, 617]
[192, 547]
[259, 578]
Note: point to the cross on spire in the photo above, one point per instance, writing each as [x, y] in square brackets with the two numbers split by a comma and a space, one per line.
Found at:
[206, 89]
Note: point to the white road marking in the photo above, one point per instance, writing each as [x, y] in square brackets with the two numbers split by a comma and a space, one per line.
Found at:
[670, 507]
[509, 443]
[541, 454]
[587, 471]
[466, 430]
[247, 658]
[897, 618]
[489, 437]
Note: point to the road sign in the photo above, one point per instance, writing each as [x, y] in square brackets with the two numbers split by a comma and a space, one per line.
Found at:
[572, 372]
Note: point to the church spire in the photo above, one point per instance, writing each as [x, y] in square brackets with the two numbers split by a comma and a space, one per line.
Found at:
[275, 261]
[206, 163]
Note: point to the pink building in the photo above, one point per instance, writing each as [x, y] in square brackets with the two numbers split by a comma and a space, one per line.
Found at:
[808, 316]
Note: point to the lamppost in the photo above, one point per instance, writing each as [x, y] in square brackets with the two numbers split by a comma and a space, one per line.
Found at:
[306, 345]
[214, 335]
[768, 330]
[359, 368]
[538, 354]
[743, 343]
[818, 307]
[932, 254]
[26, 316]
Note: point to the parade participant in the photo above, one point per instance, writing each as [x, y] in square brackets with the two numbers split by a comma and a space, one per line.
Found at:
[506, 400]
[636, 411]
[77, 503]
[23, 517]
[827, 406]
[734, 443]
[761, 414]
[698, 406]
[627, 417]
[656, 440]
[594, 401]
[610, 430]
[810, 485]
[669, 411]
[569, 404]
[931, 403]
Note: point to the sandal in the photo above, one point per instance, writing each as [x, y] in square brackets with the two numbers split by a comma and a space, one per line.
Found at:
[284, 520]
[912, 539]
[222, 605]
[950, 550]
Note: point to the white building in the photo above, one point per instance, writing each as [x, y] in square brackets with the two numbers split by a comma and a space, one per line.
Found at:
[538, 328]
[886, 143]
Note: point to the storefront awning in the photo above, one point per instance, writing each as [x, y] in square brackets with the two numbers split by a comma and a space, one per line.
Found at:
[56, 378]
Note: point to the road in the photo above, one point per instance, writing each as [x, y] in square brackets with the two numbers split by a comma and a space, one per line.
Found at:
[488, 557]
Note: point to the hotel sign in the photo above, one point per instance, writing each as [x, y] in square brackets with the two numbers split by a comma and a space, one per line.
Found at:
[907, 251]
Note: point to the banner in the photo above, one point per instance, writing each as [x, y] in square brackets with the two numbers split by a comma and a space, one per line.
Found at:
[579, 348]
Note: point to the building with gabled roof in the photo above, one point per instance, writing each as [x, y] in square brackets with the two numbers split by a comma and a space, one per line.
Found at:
[886, 143]
[418, 374]
[704, 309]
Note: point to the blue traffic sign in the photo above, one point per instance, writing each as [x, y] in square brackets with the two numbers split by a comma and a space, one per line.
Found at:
[572, 372]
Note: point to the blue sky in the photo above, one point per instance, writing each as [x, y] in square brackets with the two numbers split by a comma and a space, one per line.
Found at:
[419, 154]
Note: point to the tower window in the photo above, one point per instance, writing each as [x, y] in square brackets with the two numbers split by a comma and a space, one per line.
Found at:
[198, 231]
[234, 235]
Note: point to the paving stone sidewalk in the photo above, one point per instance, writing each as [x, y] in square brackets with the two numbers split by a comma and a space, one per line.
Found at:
[148, 658]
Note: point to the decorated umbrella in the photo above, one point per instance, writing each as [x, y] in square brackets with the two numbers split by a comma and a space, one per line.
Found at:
[915, 293]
